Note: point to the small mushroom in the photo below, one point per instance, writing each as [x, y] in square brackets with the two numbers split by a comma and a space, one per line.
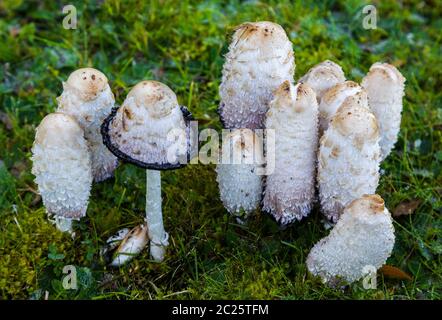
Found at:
[362, 239]
[322, 77]
[290, 189]
[260, 58]
[62, 169]
[150, 130]
[332, 100]
[240, 184]
[349, 158]
[132, 244]
[88, 98]
[385, 88]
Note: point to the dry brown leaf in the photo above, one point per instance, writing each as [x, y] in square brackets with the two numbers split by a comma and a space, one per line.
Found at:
[406, 207]
[393, 272]
[5, 120]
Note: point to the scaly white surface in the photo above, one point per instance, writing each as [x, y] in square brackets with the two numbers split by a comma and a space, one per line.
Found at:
[239, 183]
[363, 238]
[385, 88]
[260, 58]
[90, 103]
[61, 165]
[322, 77]
[348, 159]
[290, 189]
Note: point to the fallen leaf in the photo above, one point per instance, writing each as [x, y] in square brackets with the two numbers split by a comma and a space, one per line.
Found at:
[406, 207]
[393, 272]
[4, 118]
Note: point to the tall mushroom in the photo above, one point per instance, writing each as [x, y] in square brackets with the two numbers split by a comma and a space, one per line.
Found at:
[363, 238]
[88, 98]
[322, 77]
[151, 131]
[260, 58]
[385, 88]
[239, 181]
[290, 189]
[349, 157]
[62, 169]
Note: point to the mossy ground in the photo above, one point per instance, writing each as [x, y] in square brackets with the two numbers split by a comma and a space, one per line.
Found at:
[182, 44]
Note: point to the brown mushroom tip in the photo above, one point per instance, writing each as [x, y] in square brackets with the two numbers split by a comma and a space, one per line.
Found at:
[371, 203]
[388, 71]
[304, 90]
[337, 89]
[283, 89]
[352, 119]
[259, 31]
[155, 96]
[88, 81]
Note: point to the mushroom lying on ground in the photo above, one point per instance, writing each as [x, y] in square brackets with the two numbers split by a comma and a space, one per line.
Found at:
[151, 131]
[62, 169]
[260, 58]
[239, 182]
[385, 88]
[332, 100]
[363, 238]
[349, 157]
[290, 189]
[88, 98]
[322, 77]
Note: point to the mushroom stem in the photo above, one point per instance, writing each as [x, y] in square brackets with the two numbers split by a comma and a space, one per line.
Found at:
[154, 216]
[63, 224]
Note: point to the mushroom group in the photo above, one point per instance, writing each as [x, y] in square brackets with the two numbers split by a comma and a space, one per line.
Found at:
[329, 132]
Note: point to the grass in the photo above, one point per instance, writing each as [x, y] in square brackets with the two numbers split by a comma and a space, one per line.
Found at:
[182, 44]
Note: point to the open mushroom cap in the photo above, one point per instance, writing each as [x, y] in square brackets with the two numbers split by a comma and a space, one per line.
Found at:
[150, 129]
[87, 82]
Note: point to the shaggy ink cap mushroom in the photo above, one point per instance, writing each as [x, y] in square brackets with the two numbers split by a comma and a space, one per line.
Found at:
[150, 129]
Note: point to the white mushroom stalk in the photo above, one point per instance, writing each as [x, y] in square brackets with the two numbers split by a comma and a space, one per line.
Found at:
[238, 173]
[260, 58]
[322, 77]
[151, 131]
[385, 88]
[62, 169]
[349, 157]
[290, 189]
[332, 100]
[88, 98]
[361, 242]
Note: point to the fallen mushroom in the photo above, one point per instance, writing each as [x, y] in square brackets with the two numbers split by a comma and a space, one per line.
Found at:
[385, 88]
[363, 238]
[260, 58]
[62, 169]
[151, 131]
[131, 245]
[290, 189]
[332, 100]
[322, 77]
[349, 157]
[88, 98]
[240, 184]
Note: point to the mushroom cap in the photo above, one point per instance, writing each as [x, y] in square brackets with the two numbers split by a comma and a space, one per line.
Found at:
[61, 165]
[355, 120]
[323, 76]
[150, 129]
[87, 82]
[264, 34]
[363, 236]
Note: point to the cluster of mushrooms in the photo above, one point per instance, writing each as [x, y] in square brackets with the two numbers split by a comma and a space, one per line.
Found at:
[330, 136]
[84, 139]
